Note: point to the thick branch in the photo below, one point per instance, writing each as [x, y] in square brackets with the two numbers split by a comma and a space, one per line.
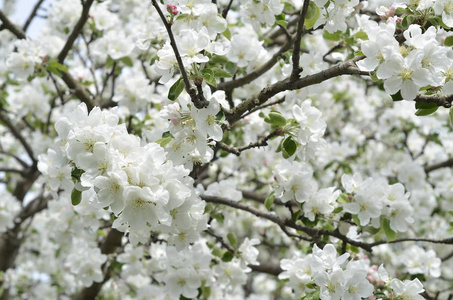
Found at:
[345, 68]
[296, 53]
[445, 164]
[441, 100]
[19, 33]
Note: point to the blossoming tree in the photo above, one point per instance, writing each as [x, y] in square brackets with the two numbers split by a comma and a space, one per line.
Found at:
[227, 150]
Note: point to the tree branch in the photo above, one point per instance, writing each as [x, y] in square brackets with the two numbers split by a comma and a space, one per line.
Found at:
[273, 217]
[296, 52]
[346, 68]
[230, 85]
[197, 99]
[441, 100]
[17, 135]
[76, 31]
[445, 164]
[6, 23]
[32, 15]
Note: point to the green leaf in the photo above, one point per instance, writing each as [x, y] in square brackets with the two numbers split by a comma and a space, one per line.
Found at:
[76, 197]
[336, 36]
[127, 61]
[231, 67]
[275, 118]
[424, 112]
[220, 73]
[218, 59]
[289, 147]
[227, 256]
[55, 67]
[312, 16]
[176, 89]
[397, 96]
[217, 252]
[389, 233]
[269, 200]
[208, 76]
[419, 105]
[361, 35]
[343, 198]
[282, 23]
[232, 239]
[227, 34]
[164, 141]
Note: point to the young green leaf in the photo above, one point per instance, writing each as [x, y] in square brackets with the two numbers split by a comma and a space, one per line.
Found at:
[232, 239]
[389, 233]
[269, 200]
[289, 147]
[424, 112]
[76, 197]
[176, 89]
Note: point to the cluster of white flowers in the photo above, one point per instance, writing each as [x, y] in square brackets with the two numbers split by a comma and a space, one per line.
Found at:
[419, 62]
[144, 190]
[294, 181]
[134, 92]
[418, 261]
[333, 275]
[23, 62]
[373, 198]
[85, 262]
[192, 129]
[311, 129]
[262, 12]
[334, 13]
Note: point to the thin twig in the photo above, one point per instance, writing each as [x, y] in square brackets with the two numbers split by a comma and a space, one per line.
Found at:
[227, 9]
[296, 52]
[230, 85]
[17, 135]
[32, 15]
[76, 31]
[198, 101]
[17, 158]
